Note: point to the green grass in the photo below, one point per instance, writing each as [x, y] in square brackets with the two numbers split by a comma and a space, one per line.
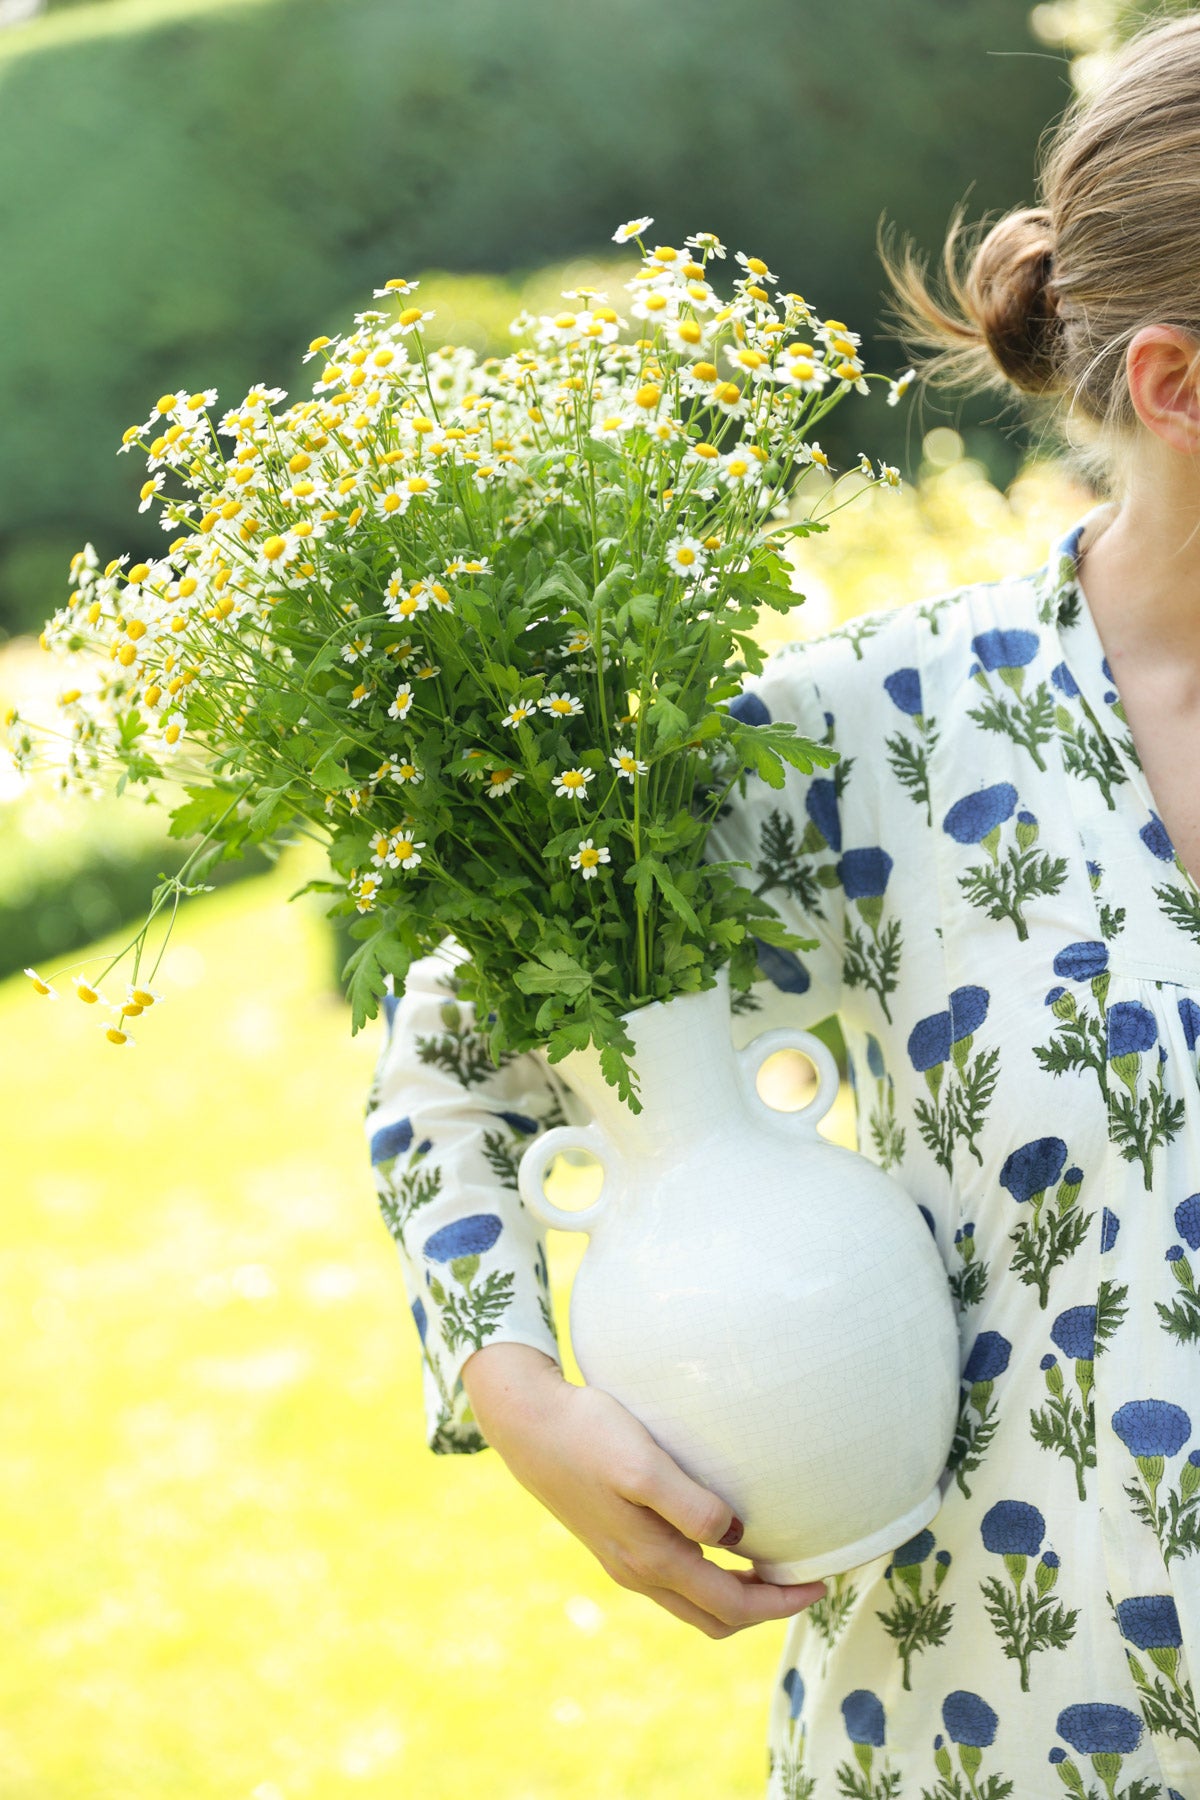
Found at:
[229, 1567]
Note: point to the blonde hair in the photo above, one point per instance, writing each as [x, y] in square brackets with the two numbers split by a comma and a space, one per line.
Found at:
[1046, 300]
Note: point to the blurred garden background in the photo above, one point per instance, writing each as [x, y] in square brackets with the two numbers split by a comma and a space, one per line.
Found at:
[229, 1567]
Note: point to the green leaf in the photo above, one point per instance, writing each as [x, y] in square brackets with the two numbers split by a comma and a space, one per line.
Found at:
[200, 811]
[380, 954]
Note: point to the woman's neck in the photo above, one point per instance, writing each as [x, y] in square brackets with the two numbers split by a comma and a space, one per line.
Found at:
[1140, 570]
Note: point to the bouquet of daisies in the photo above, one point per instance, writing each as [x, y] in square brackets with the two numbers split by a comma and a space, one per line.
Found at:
[475, 625]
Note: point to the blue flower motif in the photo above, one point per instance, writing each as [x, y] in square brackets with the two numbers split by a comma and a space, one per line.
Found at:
[1050, 1559]
[521, 1122]
[783, 967]
[1033, 1168]
[749, 709]
[1189, 1018]
[1109, 1227]
[875, 1057]
[1049, 1361]
[390, 1140]
[464, 1237]
[1074, 1331]
[864, 873]
[1013, 1528]
[1187, 1221]
[989, 1357]
[1064, 681]
[915, 1551]
[969, 1719]
[943, 1558]
[863, 1713]
[1082, 961]
[1005, 649]
[929, 1042]
[1152, 1427]
[418, 1313]
[968, 1010]
[1154, 835]
[904, 687]
[1058, 1754]
[821, 805]
[971, 819]
[1053, 996]
[1101, 1729]
[793, 1687]
[1131, 1028]
[1175, 1253]
[1150, 1622]
[1074, 1176]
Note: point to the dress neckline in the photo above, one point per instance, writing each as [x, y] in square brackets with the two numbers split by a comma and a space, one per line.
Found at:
[1084, 670]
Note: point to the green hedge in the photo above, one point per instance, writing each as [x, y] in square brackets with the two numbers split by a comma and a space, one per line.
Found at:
[72, 873]
[189, 189]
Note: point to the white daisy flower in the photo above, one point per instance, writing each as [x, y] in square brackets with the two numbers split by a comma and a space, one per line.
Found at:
[577, 643]
[685, 557]
[811, 453]
[705, 240]
[900, 386]
[42, 987]
[360, 693]
[520, 712]
[501, 781]
[740, 467]
[425, 671]
[627, 764]
[572, 784]
[588, 858]
[401, 705]
[365, 891]
[149, 490]
[356, 648]
[633, 229]
[755, 266]
[563, 706]
[396, 285]
[406, 849]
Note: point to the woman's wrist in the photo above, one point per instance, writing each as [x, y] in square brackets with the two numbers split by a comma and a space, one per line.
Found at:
[501, 1379]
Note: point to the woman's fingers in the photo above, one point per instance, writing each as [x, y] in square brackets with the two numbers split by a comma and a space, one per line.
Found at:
[664, 1487]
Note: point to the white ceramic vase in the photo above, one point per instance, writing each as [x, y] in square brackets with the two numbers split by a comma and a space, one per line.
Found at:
[772, 1307]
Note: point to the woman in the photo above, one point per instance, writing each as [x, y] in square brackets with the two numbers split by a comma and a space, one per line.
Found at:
[1002, 873]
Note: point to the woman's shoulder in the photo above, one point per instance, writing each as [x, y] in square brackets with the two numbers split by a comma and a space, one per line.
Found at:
[892, 652]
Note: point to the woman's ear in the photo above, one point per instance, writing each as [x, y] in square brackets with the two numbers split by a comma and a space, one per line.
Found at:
[1162, 366]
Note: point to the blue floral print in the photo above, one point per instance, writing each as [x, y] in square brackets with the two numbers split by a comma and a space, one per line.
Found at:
[1011, 944]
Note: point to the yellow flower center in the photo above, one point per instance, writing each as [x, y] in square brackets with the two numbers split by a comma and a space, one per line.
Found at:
[589, 858]
[705, 371]
[274, 547]
[410, 315]
[727, 392]
[648, 396]
[685, 556]
[708, 451]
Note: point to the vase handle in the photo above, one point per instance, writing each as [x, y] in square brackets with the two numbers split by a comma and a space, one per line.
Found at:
[531, 1173]
[753, 1055]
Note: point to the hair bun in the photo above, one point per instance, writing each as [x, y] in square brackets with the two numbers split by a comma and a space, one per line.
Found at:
[1009, 294]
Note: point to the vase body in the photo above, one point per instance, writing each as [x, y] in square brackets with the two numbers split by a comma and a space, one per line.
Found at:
[770, 1306]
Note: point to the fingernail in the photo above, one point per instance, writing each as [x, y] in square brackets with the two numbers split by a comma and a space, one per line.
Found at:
[733, 1535]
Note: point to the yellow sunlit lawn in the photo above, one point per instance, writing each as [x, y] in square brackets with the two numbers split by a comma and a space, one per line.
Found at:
[229, 1567]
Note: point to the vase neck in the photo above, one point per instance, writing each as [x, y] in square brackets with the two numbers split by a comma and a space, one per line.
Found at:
[685, 1067]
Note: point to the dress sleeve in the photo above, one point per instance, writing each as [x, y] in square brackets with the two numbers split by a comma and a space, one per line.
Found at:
[792, 839]
[446, 1129]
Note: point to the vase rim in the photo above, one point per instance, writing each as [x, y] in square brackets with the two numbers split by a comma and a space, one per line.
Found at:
[721, 979]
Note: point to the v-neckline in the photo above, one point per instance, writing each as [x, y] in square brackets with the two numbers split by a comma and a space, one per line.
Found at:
[1087, 666]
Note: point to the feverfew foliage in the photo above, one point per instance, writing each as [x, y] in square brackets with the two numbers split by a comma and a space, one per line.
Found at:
[477, 625]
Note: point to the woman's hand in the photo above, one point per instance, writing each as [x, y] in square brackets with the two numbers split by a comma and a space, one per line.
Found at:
[603, 1476]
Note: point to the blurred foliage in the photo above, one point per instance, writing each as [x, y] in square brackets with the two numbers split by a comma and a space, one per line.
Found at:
[191, 189]
[73, 870]
[1092, 30]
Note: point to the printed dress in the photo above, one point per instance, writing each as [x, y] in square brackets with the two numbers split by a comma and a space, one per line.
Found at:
[1013, 950]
